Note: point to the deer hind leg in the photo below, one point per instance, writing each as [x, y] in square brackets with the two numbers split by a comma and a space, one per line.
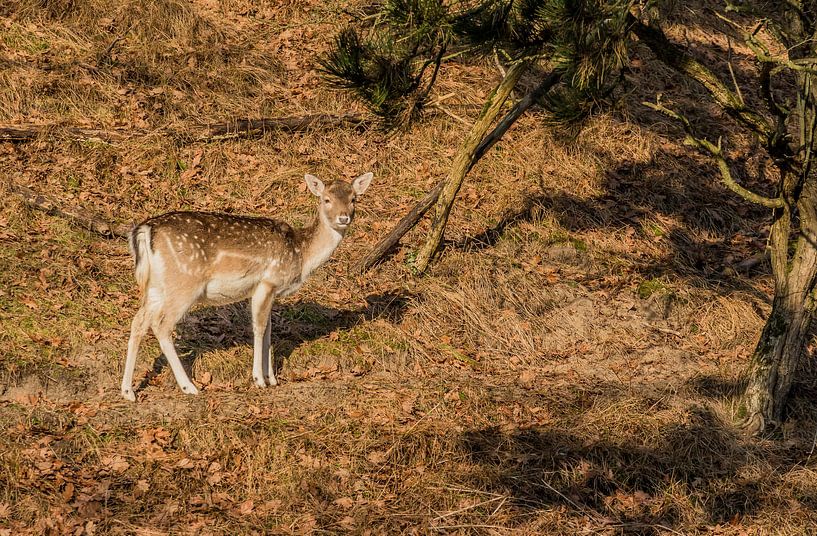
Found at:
[139, 326]
[261, 303]
[164, 320]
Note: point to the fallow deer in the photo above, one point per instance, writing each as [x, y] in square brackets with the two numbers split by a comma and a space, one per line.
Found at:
[185, 258]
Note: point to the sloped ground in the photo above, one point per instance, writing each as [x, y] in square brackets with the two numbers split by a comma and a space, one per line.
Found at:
[569, 366]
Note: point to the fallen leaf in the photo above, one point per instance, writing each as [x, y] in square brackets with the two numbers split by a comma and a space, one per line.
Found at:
[377, 456]
[117, 464]
[344, 502]
[246, 507]
[68, 491]
[527, 379]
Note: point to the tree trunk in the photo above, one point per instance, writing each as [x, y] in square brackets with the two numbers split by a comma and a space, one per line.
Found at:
[463, 162]
[783, 341]
[774, 363]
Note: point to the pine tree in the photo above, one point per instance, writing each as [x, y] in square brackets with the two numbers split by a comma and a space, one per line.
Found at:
[581, 48]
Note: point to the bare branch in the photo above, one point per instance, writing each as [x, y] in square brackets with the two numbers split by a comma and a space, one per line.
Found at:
[674, 56]
[717, 153]
[410, 220]
[732, 73]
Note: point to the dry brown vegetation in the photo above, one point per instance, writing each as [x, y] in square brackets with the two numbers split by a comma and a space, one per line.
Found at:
[569, 366]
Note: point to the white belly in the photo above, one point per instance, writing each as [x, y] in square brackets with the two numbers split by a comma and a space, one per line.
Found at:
[289, 289]
[229, 290]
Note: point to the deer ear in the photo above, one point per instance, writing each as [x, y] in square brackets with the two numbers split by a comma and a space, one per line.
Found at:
[314, 183]
[360, 184]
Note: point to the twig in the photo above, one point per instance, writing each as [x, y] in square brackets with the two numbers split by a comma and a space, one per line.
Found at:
[466, 508]
[664, 330]
[449, 113]
[498, 63]
[106, 54]
[732, 72]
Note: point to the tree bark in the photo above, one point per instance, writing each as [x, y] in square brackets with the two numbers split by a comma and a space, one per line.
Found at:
[463, 162]
[774, 362]
[408, 221]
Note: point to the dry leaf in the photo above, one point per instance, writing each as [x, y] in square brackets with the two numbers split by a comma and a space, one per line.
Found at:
[344, 502]
[527, 379]
[246, 507]
[377, 456]
[68, 491]
[117, 464]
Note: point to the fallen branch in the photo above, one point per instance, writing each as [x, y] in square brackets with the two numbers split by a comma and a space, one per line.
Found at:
[238, 128]
[30, 132]
[416, 213]
[245, 128]
[89, 222]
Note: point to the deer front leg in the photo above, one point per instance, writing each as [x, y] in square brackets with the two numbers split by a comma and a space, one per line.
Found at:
[268, 354]
[261, 303]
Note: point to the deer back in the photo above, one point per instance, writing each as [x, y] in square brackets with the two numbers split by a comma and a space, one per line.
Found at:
[222, 257]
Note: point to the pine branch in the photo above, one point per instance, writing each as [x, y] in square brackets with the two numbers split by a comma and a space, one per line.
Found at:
[717, 153]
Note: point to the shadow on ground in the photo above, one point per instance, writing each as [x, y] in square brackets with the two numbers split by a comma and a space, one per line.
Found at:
[707, 235]
[217, 328]
[630, 482]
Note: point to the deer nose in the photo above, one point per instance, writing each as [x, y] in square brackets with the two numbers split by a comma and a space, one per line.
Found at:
[344, 219]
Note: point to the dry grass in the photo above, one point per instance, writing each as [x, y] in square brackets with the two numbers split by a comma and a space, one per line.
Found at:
[569, 366]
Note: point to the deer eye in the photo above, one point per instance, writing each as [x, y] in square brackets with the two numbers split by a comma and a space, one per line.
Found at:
[327, 201]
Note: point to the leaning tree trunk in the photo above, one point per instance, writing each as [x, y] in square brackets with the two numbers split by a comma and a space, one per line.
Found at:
[462, 163]
[408, 221]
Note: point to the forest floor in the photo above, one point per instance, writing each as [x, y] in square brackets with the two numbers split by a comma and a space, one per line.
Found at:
[570, 365]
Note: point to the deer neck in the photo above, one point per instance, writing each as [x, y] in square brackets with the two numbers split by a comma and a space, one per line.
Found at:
[318, 243]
